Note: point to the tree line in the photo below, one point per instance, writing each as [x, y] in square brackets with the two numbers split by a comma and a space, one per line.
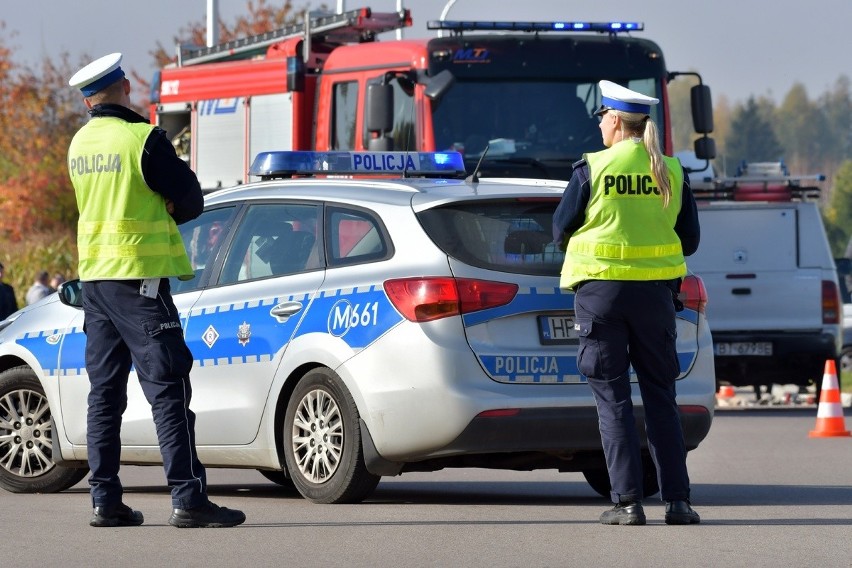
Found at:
[39, 115]
[811, 136]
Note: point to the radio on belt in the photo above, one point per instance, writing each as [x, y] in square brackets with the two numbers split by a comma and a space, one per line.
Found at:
[285, 164]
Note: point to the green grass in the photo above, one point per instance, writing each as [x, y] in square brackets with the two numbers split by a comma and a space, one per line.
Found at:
[846, 382]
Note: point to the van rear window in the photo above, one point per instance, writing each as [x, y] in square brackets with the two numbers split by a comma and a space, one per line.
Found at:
[509, 235]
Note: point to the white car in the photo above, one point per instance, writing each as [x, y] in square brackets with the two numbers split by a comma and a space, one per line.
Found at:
[346, 329]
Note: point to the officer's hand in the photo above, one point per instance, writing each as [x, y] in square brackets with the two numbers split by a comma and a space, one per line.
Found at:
[170, 206]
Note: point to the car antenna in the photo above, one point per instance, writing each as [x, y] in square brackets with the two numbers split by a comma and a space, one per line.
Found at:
[474, 177]
[408, 144]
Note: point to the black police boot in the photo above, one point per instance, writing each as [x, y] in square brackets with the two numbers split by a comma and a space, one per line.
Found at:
[208, 515]
[116, 516]
[624, 514]
[680, 513]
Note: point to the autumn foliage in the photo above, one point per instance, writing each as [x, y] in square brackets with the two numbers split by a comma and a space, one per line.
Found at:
[38, 118]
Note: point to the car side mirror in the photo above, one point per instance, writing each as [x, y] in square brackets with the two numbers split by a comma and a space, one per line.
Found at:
[71, 293]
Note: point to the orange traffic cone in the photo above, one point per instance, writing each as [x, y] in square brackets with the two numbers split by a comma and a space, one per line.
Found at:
[829, 420]
[726, 391]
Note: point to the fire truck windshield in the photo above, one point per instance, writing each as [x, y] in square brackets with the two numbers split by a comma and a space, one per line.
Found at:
[548, 124]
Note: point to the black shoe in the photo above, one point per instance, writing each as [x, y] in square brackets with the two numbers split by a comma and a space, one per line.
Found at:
[116, 516]
[680, 513]
[208, 515]
[624, 514]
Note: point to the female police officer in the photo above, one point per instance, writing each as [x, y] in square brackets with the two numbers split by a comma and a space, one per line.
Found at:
[630, 218]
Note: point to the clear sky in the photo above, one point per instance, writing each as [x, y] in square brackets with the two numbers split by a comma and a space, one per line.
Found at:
[741, 47]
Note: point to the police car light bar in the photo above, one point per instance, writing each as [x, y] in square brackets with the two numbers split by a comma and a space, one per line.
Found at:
[463, 26]
[269, 165]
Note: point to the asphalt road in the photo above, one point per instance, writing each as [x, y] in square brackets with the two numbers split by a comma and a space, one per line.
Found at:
[768, 495]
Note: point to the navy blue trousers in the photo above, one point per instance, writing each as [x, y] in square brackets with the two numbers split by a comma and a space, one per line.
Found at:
[623, 324]
[123, 328]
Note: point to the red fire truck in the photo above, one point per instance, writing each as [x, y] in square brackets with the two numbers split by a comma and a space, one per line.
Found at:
[524, 91]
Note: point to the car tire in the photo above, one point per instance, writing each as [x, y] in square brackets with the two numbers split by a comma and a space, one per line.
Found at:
[281, 478]
[598, 479]
[26, 438]
[322, 441]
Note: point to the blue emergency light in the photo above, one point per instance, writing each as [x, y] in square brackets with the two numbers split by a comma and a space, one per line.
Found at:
[270, 165]
[465, 25]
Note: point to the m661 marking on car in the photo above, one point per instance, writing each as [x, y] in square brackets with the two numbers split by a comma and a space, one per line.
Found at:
[345, 316]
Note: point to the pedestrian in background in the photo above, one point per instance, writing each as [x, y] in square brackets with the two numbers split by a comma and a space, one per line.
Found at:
[57, 279]
[8, 302]
[630, 218]
[132, 190]
[40, 288]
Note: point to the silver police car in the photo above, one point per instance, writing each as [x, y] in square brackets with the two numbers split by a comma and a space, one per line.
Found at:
[347, 326]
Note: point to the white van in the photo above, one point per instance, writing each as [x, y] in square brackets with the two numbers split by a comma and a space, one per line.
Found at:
[774, 306]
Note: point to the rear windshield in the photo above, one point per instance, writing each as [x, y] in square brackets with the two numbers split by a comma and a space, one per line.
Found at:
[506, 235]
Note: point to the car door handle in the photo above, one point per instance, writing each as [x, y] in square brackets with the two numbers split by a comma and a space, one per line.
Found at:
[741, 291]
[282, 312]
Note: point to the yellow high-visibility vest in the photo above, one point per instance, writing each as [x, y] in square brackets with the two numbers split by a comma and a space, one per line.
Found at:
[627, 234]
[124, 230]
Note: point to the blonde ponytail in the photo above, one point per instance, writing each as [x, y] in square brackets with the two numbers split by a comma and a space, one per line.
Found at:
[651, 140]
[641, 125]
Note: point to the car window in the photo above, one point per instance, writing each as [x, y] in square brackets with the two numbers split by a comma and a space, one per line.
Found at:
[343, 115]
[507, 235]
[272, 239]
[844, 272]
[355, 236]
[202, 238]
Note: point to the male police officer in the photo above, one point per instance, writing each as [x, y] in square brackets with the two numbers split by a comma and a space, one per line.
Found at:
[132, 190]
[631, 218]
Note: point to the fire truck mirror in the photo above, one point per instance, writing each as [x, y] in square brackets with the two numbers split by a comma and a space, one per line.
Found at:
[379, 108]
[702, 109]
[705, 148]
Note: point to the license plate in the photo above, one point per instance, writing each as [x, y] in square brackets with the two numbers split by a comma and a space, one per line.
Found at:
[557, 330]
[755, 348]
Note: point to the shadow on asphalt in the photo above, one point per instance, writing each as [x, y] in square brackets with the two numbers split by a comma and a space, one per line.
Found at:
[731, 495]
[539, 493]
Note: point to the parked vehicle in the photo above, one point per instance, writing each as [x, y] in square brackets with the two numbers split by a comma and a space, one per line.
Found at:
[347, 329]
[775, 309]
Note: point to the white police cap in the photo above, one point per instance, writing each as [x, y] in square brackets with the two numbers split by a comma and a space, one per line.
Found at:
[98, 74]
[616, 97]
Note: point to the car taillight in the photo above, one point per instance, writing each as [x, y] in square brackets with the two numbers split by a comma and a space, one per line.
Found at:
[693, 294]
[429, 298]
[831, 309]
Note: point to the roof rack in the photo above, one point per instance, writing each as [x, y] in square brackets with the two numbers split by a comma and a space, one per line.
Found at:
[355, 26]
[758, 188]
[759, 181]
